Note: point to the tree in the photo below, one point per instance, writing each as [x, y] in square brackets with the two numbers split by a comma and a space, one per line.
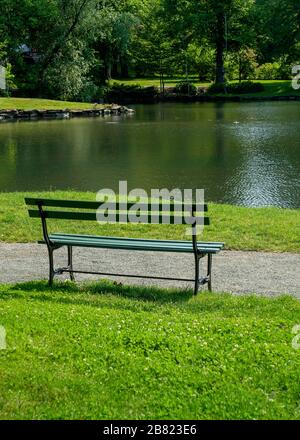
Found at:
[210, 21]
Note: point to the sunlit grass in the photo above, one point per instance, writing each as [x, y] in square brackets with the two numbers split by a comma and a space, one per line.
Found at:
[272, 87]
[270, 229]
[105, 351]
[42, 104]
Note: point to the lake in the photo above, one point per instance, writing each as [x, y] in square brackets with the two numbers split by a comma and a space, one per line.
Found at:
[246, 154]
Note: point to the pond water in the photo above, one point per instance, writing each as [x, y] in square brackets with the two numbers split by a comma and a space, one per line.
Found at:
[247, 154]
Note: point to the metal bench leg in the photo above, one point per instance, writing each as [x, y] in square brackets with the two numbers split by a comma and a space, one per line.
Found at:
[70, 262]
[197, 273]
[209, 266]
[51, 266]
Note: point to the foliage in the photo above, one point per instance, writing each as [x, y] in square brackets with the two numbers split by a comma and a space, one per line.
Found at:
[126, 93]
[86, 42]
[269, 71]
[185, 88]
[216, 88]
[236, 88]
[247, 63]
[245, 87]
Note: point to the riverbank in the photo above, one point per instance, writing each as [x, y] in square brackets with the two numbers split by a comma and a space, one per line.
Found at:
[241, 228]
[148, 90]
[32, 108]
[271, 87]
[13, 109]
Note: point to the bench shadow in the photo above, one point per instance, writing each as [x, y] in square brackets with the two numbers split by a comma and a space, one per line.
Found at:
[101, 288]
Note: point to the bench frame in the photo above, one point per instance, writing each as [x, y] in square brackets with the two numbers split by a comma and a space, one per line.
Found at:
[51, 247]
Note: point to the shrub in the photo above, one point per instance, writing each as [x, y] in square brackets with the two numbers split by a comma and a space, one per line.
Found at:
[185, 88]
[236, 88]
[133, 92]
[216, 88]
[89, 93]
[269, 71]
[245, 87]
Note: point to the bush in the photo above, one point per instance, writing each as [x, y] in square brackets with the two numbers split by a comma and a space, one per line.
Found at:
[128, 93]
[185, 88]
[245, 87]
[236, 88]
[89, 93]
[269, 71]
[216, 88]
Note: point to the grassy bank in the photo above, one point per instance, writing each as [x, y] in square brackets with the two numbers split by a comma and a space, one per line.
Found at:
[270, 229]
[278, 88]
[106, 351]
[272, 87]
[41, 104]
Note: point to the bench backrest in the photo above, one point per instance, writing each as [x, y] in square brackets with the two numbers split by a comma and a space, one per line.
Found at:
[176, 213]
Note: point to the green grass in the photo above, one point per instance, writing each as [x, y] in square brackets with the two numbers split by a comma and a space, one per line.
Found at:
[272, 87]
[41, 104]
[270, 229]
[155, 81]
[103, 351]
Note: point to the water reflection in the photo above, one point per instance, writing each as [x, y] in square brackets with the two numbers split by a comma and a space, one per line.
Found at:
[240, 153]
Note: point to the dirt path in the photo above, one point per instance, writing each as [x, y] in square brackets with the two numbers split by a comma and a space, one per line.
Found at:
[233, 271]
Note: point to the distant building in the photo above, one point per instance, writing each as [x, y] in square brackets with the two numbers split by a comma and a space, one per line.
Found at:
[30, 55]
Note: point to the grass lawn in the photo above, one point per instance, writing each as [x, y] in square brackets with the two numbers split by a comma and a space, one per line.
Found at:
[111, 352]
[154, 81]
[270, 229]
[272, 87]
[41, 104]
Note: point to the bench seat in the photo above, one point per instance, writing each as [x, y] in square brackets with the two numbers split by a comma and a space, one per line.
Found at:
[133, 243]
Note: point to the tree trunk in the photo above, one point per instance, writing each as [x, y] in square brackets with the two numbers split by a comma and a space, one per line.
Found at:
[124, 70]
[220, 46]
[108, 70]
[240, 68]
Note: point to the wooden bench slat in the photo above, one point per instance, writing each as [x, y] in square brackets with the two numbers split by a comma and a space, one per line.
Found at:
[61, 235]
[124, 241]
[143, 246]
[92, 216]
[83, 204]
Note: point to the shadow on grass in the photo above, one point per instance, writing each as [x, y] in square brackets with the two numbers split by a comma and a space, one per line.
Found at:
[110, 295]
[104, 287]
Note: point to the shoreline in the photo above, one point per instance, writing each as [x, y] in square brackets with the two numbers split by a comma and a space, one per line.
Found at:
[13, 115]
[109, 109]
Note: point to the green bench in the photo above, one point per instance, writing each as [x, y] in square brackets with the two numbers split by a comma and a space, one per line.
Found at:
[84, 210]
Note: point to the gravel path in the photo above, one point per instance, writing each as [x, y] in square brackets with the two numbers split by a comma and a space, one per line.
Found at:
[233, 271]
